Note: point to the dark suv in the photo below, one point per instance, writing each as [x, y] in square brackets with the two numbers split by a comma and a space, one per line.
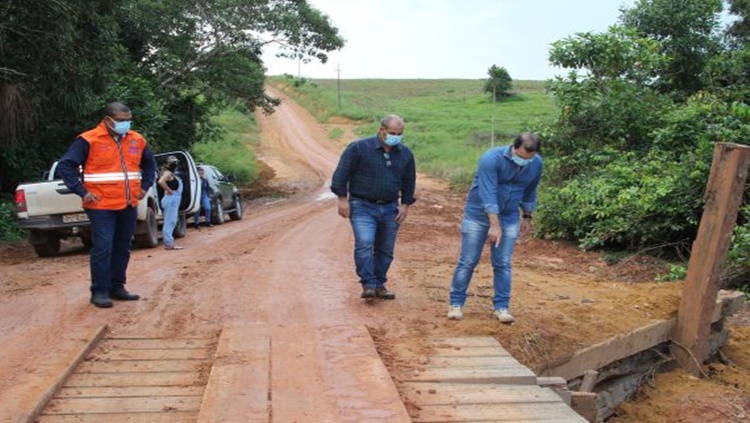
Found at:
[225, 198]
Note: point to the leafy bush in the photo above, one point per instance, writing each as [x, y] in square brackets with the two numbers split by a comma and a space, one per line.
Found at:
[230, 151]
[9, 231]
[631, 200]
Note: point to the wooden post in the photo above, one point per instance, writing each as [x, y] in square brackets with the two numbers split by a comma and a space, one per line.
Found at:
[723, 198]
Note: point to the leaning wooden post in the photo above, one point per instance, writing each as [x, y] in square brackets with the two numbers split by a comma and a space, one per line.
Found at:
[723, 198]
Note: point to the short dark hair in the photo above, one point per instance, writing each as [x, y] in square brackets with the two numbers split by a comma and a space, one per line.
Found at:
[115, 107]
[529, 141]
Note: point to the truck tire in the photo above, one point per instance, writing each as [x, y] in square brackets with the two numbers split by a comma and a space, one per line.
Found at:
[181, 229]
[50, 248]
[87, 242]
[236, 214]
[218, 219]
[150, 238]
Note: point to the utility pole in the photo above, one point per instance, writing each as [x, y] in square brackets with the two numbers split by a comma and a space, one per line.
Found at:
[299, 66]
[338, 83]
[494, 95]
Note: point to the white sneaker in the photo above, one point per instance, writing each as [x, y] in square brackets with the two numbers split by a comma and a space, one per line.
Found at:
[503, 316]
[455, 313]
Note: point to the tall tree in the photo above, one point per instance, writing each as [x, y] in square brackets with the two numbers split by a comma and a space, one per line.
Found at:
[499, 83]
[175, 62]
[688, 33]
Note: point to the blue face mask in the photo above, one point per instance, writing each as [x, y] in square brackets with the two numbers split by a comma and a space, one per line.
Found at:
[122, 127]
[392, 140]
[520, 160]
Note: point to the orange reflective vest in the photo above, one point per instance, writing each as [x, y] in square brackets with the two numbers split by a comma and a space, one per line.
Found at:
[113, 170]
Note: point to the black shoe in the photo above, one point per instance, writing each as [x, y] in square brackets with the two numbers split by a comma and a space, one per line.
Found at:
[385, 294]
[196, 226]
[368, 293]
[121, 294]
[101, 301]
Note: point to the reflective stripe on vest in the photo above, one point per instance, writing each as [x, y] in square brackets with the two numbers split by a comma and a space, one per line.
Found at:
[110, 177]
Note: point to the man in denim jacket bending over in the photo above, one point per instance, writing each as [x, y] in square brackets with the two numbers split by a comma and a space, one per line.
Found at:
[506, 181]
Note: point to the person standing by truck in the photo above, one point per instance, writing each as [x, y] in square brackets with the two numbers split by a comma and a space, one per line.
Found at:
[206, 192]
[117, 171]
[170, 202]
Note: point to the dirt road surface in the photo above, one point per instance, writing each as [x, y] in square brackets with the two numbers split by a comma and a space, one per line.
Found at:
[288, 265]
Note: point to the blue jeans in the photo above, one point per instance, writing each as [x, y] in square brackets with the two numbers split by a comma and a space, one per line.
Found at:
[375, 229]
[473, 239]
[170, 206]
[111, 234]
[206, 204]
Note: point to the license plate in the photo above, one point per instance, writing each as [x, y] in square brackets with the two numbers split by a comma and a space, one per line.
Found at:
[77, 217]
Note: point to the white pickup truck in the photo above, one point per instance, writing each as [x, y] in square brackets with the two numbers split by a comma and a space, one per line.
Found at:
[51, 212]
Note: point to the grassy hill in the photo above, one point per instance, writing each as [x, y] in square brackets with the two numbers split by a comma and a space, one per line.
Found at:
[450, 122]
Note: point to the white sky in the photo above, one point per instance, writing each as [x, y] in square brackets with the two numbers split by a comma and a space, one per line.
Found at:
[435, 39]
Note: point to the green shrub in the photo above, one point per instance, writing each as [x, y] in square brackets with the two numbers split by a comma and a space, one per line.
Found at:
[230, 151]
[10, 233]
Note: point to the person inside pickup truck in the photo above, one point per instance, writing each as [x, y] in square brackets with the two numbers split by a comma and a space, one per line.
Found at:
[170, 202]
[118, 170]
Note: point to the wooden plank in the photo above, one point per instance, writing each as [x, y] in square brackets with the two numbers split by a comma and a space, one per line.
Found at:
[723, 197]
[135, 366]
[159, 343]
[422, 393]
[123, 405]
[469, 341]
[469, 352]
[482, 361]
[586, 404]
[135, 379]
[129, 391]
[519, 375]
[27, 398]
[239, 385]
[154, 354]
[516, 413]
[144, 366]
[170, 417]
[627, 344]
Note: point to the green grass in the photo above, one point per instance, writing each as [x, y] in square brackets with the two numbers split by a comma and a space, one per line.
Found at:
[231, 152]
[450, 122]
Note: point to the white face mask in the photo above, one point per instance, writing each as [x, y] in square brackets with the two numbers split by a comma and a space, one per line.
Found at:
[521, 161]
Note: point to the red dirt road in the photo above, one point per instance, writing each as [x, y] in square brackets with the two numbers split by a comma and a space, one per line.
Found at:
[287, 266]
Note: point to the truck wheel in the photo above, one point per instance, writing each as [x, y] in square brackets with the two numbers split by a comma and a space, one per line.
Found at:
[87, 242]
[181, 229]
[236, 214]
[218, 219]
[150, 238]
[51, 248]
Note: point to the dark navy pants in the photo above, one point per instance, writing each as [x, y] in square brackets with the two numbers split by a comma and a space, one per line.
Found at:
[111, 235]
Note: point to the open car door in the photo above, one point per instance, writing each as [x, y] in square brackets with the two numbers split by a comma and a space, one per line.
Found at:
[188, 173]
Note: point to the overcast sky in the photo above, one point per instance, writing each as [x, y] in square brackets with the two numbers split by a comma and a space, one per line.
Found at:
[435, 39]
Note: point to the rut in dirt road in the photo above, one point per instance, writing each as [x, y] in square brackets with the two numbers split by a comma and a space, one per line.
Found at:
[284, 272]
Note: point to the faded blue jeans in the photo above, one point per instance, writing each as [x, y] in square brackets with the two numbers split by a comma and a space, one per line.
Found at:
[206, 205]
[473, 240]
[170, 206]
[111, 233]
[375, 230]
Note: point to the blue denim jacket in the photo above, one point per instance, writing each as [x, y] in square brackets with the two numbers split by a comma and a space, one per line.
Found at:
[502, 187]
